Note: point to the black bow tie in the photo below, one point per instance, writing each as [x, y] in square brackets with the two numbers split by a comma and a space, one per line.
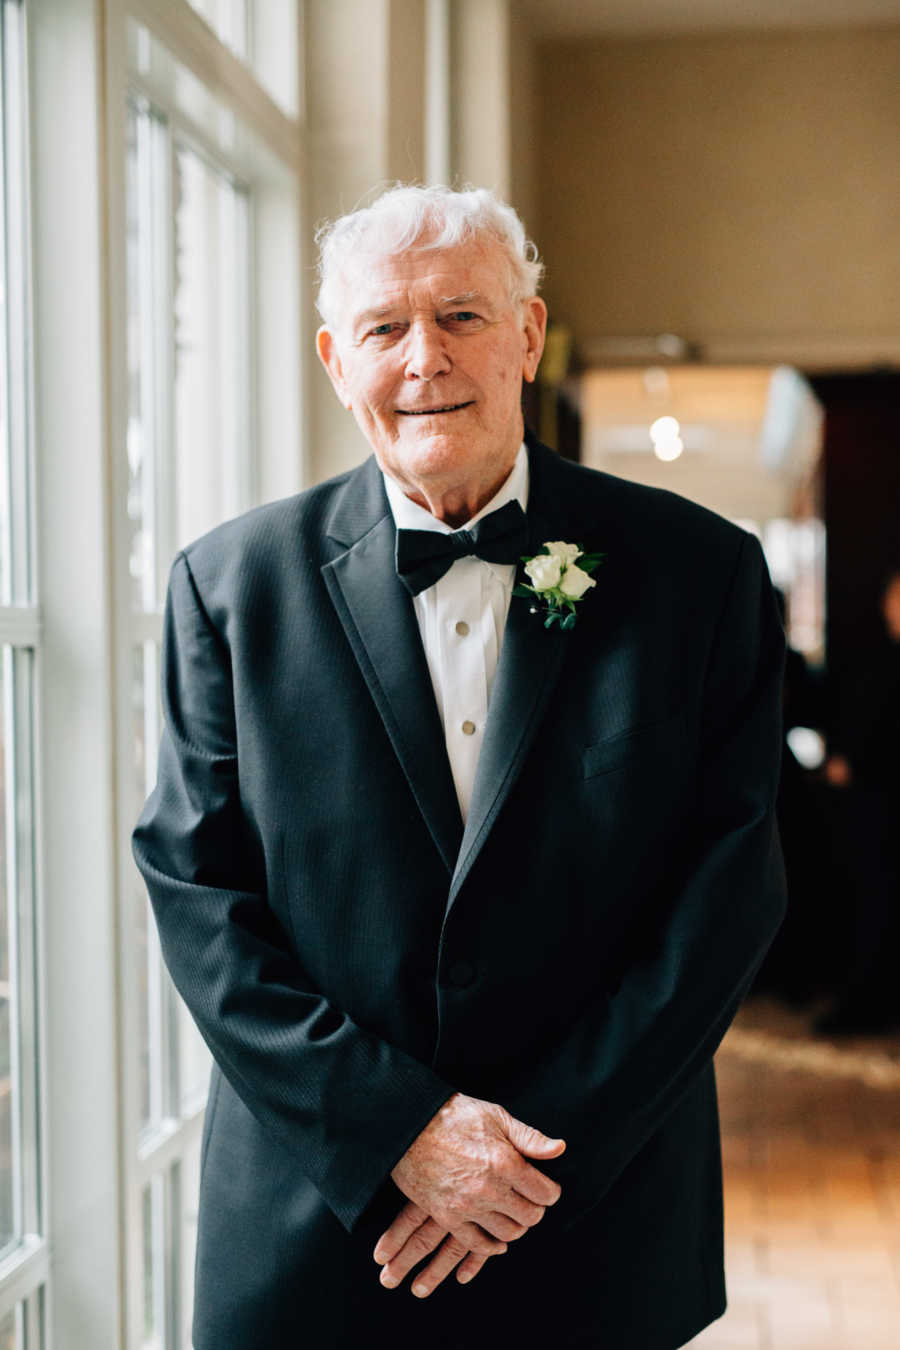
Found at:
[423, 556]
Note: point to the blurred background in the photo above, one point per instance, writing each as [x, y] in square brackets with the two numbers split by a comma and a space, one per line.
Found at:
[713, 187]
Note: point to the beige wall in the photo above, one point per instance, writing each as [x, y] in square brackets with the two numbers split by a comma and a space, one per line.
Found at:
[365, 87]
[523, 122]
[366, 102]
[480, 96]
[737, 185]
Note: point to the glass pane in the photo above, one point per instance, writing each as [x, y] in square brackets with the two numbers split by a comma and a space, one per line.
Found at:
[145, 342]
[189, 1188]
[31, 1321]
[194, 1061]
[19, 1162]
[266, 36]
[212, 367]
[153, 1210]
[227, 19]
[148, 972]
[188, 442]
[9, 1340]
[143, 950]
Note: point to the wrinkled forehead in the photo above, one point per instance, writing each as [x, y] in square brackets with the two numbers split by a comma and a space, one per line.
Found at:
[475, 267]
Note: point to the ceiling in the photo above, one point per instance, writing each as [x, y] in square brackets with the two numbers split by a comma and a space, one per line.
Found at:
[578, 18]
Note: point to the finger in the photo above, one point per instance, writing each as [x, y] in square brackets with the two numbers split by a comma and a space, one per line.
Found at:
[533, 1184]
[391, 1241]
[501, 1226]
[448, 1257]
[420, 1244]
[469, 1267]
[530, 1141]
[476, 1239]
[522, 1210]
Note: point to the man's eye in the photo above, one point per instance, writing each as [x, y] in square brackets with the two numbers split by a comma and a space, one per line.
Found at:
[382, 330]
[465, 314]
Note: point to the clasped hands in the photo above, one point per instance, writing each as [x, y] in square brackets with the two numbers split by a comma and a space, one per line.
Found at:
[470, 1192]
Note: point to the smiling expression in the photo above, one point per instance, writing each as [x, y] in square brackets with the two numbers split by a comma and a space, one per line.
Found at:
[429, 353]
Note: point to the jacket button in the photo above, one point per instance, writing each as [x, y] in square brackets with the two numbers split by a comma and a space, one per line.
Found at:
[461, 974]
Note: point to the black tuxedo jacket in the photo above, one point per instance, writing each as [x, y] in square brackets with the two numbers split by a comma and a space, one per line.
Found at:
[352, 955]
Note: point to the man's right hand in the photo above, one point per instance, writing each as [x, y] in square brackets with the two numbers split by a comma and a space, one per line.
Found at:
[466, 1176]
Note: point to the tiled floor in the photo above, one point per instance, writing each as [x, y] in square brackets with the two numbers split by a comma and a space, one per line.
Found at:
[811, 1145]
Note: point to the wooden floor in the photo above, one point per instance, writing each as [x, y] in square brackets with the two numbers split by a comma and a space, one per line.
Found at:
[811, 1147]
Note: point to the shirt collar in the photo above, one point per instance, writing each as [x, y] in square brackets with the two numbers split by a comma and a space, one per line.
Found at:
[408, 515]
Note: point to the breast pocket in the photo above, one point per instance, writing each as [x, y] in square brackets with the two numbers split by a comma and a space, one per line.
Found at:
[661, 738]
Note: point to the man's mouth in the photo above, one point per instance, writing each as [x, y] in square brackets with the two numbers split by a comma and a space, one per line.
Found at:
[430, 412]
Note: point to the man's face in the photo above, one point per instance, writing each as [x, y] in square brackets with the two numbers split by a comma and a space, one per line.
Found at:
[429, 354]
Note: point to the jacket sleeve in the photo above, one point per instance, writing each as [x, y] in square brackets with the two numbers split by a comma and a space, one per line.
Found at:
[625, 1062]
[346, 1103]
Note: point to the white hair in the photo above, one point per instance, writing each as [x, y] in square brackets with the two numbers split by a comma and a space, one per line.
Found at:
[407, 216]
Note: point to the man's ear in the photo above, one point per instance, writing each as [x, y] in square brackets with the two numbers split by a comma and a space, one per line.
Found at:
[326, 346]
[535, 330]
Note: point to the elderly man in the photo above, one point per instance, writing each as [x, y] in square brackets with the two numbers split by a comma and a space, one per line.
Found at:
[462, 850]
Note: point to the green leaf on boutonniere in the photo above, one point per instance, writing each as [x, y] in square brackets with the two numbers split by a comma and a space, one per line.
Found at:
[589, 562]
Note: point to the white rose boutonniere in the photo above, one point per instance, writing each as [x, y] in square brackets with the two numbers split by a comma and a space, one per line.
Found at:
[544, 571]
[561, 576]
[567, 553]
[575, 582]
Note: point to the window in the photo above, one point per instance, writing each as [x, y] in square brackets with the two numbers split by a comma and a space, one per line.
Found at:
[264, 34]
[228, 20]
[190, 459]
[209, 245]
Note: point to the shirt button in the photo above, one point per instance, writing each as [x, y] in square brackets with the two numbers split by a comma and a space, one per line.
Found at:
[462, 628]
[461, 974]
[468, 728]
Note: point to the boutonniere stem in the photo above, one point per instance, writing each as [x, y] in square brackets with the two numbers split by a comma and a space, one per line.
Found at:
[561, 577]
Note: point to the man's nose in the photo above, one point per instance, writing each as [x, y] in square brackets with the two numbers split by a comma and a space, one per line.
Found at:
[426, 352]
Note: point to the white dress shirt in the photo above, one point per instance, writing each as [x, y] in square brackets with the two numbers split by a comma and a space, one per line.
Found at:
[461, 619]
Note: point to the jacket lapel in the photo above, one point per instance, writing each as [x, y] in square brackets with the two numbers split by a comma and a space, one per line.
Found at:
[531, 658]
[378, 618]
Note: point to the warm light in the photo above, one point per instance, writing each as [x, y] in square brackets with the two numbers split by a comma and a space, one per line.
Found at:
[664, 429]
[666, 437]
[656, 382]
[807, 746]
